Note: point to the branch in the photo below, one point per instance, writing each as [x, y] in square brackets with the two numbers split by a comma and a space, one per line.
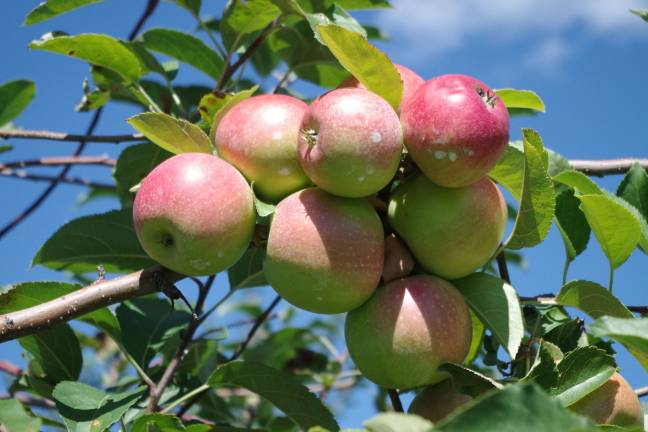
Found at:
[550, 299]
[600, 168]
[641, 392]
[395, 400]
[503, 268]
[62, 136]
[257, 324]
[59, 160]
[85, 300]
[10, 368]
[30, 401]
[22, 174]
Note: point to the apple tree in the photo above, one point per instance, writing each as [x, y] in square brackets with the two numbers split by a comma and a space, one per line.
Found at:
[382, 216]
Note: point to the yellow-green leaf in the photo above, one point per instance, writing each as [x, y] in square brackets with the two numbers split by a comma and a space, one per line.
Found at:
[174, 135]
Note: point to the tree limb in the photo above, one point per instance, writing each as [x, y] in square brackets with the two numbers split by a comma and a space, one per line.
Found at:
[22, 174]
[85, 300]
[641, 392]
[30, 401]
[395, 400]
[10, 368]
[600, 168]
[62, 136]
[59, 160]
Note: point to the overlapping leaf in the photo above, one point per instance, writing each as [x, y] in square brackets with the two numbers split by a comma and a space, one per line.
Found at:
[52, 8]
[15, 96]
[173, 135]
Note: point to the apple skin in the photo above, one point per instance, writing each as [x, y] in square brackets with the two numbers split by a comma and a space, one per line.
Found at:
[450, 231]
[259, 137]
[324, 253]
[455, 129]
[407, 329]
[435, 402]
[615, 402]
[194, 214]
[350, 142]
[411, 81]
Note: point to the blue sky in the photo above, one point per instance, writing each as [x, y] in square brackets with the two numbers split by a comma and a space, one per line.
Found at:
[587, 59]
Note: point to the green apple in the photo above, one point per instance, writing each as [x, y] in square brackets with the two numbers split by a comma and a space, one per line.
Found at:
[325, 253]
[407, 329]
[450, 231]
[194, 214]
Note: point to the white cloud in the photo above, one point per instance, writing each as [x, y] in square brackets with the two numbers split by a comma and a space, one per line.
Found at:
[548, 55]
[438, 26]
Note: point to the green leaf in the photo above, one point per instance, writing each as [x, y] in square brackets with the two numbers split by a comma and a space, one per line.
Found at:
[617, 230]
[367, 63]
[335, 15]
[496, 304]
[537, 200]
[520, 407]
[151, 323]
[186, 48]
[631, 332]
[96, 49]
[642, 13]
[397, 422]
[634, 190]
[14, 98]
[57, 350]
[106, 239]
[51, 8]
[581, 372]
[86, 409]
[578, 181]
[476, 339]
[133, 164]
[213, 107]
[14, 417]
[248, 271]
[174, 135]
[470, 380]
[521, 99]
[278, 387]
[192, 6]
[509, 171]
[242, 18]
[27, 294]
[557, 162]
[593, 299]
[544, 371]
[571, 223]
[158, 423]
[320, 5]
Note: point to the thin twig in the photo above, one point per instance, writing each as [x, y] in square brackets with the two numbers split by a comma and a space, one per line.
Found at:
[148, 11]
[59, 160]
[395, 400]
[10, 368]
[550, 299]
[30, 401]
[24, 175]
[600, 168]
[257, 324]
[503, 267]
[62, 136]
[641, 392]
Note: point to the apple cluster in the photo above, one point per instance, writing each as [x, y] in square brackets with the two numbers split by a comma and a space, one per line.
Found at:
[378, 210]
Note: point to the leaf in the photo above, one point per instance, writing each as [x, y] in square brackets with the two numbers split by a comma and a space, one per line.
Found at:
[642, 13]
[521, 99]
[186, 48]
[106, 239]
[631, 332]
[537, 200]
[470, 380]
[190, 5]
[476, 339]
[496, 305]
[248, 271]
[367, 63]
[213, 107]
[634, 190]
[617, 230]
[578, 181]
[557, 163]
[57, 350]
[96, 49]
[520, 407]
[86, 409]
[571, 223]
[335, 15]
[27, 294]
[544, 371]
[151, 323]
[509, 171]
[174, 135]
[158, 423]
[15, 96]
[278, 387]
[593, 299]
[244, 17]
[133, 164]
[51, 8]
[14, 417]
[397, 422]
[581, 372]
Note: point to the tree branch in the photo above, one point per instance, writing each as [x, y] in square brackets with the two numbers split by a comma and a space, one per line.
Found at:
[641, 392]
[59, 160]
[395, 400]
[503, 267]
[550, 299]
[85, 300]
[22, 174]
[10, 368]
[600, 168]
[30, 401]
[62, 136]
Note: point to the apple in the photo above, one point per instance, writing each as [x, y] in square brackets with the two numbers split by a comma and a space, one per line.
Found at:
[411, 81]
[435, 402]
[615, 402]
[324, 253]
[398, 259]
[455, 129]
[194, 214]
[259, 137]
[450, 231]
[407, 329]
[350, 142]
